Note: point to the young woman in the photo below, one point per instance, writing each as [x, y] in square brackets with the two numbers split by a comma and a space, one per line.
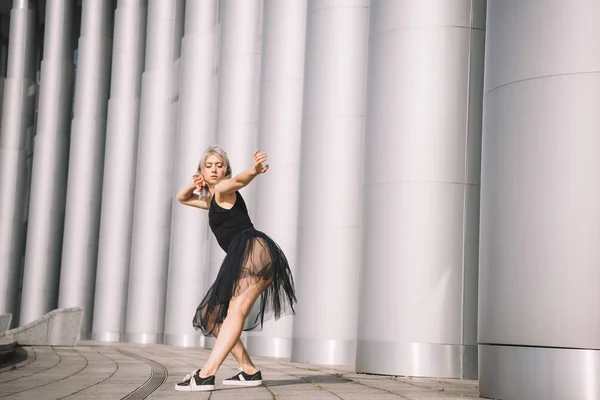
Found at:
[254, 269]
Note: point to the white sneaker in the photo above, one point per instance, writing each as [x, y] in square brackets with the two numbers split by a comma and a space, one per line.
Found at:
[193, 383]
[244, 379]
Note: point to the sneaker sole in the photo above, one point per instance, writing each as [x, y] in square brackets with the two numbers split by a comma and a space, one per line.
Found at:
[242, 383]
[203, 388]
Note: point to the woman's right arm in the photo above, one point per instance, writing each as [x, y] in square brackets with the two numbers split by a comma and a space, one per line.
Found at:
[187, 197]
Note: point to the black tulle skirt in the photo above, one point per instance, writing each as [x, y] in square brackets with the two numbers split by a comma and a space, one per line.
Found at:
[251, 257]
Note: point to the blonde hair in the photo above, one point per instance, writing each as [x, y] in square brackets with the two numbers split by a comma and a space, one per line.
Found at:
[219, 152]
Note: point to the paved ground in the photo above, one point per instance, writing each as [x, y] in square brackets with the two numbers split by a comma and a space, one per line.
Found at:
[95, 370]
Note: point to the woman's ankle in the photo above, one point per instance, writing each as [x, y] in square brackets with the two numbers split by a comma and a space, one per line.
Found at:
[249, 369]
[203, 374]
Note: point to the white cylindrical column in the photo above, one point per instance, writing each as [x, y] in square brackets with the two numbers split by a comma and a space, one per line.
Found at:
[539, 319]
[114, 246]
[239, 78]
[327, 275]
[418, 307]
[238, 98]
[50, 162]
[154, 174]
[15, 147]
[197, 115]
[4, 38]
[86, 161]
[280, 122]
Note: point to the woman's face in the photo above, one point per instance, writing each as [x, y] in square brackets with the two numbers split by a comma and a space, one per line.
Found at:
[213, 169]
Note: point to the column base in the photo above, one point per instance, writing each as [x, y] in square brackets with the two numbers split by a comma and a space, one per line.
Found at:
[85, 335]
[183, 340]
[269, 347]
[518, 372]
[108, 336]
[144, 338]
[417, 359]
[324, 352]
[208, 342]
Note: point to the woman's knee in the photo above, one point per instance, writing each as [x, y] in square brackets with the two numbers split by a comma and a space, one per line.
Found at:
[243, 303]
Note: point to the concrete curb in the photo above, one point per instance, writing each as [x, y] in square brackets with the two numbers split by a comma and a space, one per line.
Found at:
[57, 328]
[7, 348]
[5, 320]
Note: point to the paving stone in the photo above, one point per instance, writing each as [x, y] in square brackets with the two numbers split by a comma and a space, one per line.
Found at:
[95, 370]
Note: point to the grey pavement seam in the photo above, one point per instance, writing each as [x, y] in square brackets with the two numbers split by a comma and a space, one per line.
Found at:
[157, 376]
[48, 383]
[306, 380]
[97, 383]
[179, 358]
[266, 385]
[270, 391]
[122, 370]
[23, 363]
[424, 385]
[341, 377]
[176, 355]
[35, 373]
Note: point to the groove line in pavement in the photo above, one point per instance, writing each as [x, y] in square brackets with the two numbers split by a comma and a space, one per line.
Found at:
[352, 380]
[97, 383]
[23, 363]
[35, 373]
[158, 375]
[178, 357]
[298, 378]
[48, 383]
[305, 380]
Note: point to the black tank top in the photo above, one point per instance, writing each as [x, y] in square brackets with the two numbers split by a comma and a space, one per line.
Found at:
[225, 224]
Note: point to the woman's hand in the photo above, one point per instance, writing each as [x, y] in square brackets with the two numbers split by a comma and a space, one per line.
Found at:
[259, 159]
[228, 186]
[199, 182]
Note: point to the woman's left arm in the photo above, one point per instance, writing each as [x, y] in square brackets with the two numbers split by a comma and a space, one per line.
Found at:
[242, 179]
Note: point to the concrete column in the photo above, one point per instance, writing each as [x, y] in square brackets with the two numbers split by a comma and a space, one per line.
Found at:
[197, 116]
[4, 33]
[86, 161]
[327, 275]
[50, 162]
[15, 148]
[2, 79]
[282, 83]
[238, 99]
[239, 78]
[418, 307]
[154, 175]
[539, 325]
[114, 246]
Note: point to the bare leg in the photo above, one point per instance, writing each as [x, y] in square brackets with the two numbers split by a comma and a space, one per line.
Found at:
[240, 354]
[231, 329]
[243, 358]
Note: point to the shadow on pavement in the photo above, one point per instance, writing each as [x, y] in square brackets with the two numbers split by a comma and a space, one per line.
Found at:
[302, 380]
[18, 356]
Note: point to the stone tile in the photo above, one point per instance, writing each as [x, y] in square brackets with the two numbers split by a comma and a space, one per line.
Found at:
[95, 370]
